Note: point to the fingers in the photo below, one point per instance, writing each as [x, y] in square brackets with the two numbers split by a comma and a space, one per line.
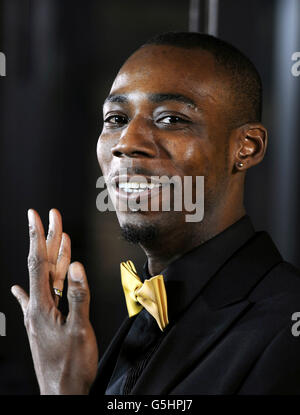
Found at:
[53, 240]
[21, 296]
[63, 263]
[78, 293]
[38, 261]
[56, 247]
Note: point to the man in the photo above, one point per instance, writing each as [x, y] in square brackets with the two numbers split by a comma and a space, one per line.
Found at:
[184, 105]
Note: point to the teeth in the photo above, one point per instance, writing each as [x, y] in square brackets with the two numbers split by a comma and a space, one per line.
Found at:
[137, 187]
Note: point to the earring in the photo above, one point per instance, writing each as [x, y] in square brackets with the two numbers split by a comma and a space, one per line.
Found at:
[240, 164]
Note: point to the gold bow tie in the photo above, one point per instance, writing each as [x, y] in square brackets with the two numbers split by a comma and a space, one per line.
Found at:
[151, 294]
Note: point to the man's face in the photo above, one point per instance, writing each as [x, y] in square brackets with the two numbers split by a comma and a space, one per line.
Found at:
[166, 115]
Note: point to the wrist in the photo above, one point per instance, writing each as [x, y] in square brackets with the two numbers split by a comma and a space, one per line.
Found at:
[63, 389]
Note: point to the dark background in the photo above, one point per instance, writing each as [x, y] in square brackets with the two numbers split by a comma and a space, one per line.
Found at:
[61, 59]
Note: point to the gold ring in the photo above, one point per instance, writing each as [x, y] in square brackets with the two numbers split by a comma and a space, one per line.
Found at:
[57, 292]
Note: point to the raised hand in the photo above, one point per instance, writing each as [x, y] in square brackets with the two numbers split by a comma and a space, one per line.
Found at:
[64, 349]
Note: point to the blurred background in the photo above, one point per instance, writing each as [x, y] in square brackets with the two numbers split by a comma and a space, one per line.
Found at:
[61, 60]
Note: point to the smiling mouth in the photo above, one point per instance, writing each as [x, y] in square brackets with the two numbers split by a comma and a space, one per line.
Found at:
[136, 187]
[141, 192]
[138, 191]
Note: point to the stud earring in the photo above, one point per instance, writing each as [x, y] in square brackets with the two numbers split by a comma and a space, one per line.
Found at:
[240, 164]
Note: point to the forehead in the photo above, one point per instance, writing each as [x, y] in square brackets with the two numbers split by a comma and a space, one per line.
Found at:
[159, 69]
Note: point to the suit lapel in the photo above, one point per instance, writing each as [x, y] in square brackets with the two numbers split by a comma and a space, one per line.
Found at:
[184, 346]
[245, 269]
[220, 304]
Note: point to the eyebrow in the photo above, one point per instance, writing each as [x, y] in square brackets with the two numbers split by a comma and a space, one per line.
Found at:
[156, 98]
[116, 98]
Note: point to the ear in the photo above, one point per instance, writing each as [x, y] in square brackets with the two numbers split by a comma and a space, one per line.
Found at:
[251, 144]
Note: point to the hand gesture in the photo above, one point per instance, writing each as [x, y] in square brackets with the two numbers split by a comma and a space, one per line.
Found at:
[64, 349]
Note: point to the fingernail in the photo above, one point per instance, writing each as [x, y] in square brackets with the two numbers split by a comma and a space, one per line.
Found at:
[51, 215]
[75, 272]
[51, 220]
[13, 291]
[30, 215]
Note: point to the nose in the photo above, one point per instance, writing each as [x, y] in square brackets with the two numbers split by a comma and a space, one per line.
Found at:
[137, 140]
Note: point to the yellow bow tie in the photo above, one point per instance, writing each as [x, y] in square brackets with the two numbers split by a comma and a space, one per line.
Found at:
[151, 294]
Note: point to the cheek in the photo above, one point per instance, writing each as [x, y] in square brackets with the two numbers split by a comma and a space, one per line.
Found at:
[104, 154]
[193, 157]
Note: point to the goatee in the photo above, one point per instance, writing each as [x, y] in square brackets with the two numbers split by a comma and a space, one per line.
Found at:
[139, 234]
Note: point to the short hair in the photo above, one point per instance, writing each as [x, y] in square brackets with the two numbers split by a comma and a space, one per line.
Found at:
[244, 80]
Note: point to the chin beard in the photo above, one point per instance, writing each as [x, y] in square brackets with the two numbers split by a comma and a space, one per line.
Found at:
[139, 234]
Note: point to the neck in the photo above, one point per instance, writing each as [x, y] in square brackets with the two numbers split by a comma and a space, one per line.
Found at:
[174, 242]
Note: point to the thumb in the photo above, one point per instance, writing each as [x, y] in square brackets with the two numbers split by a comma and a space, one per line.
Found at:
[21, 296]
[78, 293]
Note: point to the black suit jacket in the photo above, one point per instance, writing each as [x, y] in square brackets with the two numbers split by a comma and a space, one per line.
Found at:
[235, 336]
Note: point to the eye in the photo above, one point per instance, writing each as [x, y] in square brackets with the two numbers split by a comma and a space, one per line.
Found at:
[172, 120]
[116, 120]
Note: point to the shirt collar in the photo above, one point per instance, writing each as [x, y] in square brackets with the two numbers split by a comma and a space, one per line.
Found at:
[186, 277]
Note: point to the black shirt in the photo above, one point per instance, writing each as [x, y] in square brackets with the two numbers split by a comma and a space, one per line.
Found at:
[184, 279]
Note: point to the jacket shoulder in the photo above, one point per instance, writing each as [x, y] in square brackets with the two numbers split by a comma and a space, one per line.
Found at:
[282, 280]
